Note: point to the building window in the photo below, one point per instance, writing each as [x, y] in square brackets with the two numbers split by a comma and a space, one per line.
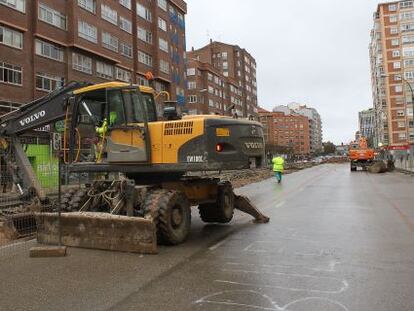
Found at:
[144, 35]
[191, 72]
[11, 37]
[392, 7]
[104, 70]
[406, 16]
[143, 12]
[19, 5]
[11, 74]
[407, 39]
[192, 99]
[122, 74]
[125, 24]
[396, 65]
[126, 49]
[82, 63]
[409, 75]
[400, 113]
[393, 30]
[109, 41]
[162, 24]
[407, 27]
[145, 58]
[126, 3]
[162, 4]
[164, 66]
[109, 14]
[401, 124]
[192, 85]
[396, 53]
[211, 103]
[89, 5]
[406, 4]
[142, 81]
[402, 136]
[163, 44]
[49, 50]
[52, 17]
[87, 32]
[48, 83]
[395, 42]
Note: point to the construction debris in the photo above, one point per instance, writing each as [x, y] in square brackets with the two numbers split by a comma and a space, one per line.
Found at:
[377, 168]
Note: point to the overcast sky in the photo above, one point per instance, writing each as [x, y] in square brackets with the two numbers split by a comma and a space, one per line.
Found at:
[308, 51]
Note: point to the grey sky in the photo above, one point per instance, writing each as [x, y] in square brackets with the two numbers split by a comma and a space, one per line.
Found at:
[309, 51]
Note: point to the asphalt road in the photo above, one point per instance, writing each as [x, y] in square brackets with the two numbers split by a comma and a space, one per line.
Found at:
[336, 241]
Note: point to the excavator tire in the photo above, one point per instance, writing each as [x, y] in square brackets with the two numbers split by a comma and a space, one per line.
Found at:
[222, 210]
[171, 213]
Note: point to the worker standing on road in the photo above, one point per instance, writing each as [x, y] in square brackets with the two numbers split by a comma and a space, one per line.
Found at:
[278, 165]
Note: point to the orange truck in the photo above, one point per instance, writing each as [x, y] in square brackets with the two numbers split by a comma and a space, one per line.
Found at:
[360, 155]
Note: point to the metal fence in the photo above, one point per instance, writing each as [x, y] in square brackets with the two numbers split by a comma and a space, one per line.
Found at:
[405, 162]
[18, 202]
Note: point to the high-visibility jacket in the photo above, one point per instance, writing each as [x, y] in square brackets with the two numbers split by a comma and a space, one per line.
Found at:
[278, 164]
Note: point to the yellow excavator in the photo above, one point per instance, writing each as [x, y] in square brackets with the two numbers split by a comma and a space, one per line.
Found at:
[139, 174]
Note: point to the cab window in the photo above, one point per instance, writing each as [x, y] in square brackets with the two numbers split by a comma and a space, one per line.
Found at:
[116, 109]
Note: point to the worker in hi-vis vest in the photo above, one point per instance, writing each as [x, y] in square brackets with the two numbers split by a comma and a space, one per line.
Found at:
[278, 163]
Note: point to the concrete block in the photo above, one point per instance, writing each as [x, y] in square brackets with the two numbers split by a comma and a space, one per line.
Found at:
[98, 231]
[48, 251]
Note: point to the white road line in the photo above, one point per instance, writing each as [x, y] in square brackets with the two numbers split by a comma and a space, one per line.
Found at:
[294, 289]
[217, 245]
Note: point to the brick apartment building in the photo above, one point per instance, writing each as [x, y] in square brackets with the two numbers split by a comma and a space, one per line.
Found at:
[209, 92]
[392, 73]
[45, 42]
[287, 130]
[234, 64]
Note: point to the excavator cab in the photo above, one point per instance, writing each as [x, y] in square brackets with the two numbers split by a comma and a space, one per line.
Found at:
[108, 124]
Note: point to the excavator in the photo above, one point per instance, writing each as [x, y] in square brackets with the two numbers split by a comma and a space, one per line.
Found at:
[360, 155]
[138, 174]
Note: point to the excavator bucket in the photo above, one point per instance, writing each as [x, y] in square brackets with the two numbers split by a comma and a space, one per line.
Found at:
[243, 204]
[98, 231]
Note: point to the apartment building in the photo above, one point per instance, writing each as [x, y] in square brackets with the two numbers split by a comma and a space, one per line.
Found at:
[315, 125]
[235, 63]
[44, 43]
[286, 129]
[366, 123]
[209, 92]
[392, 74]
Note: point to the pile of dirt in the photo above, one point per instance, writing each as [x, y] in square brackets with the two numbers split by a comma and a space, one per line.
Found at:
[248, 176]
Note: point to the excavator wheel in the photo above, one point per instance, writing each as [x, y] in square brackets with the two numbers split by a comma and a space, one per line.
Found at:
[222, 210]
[171, 213]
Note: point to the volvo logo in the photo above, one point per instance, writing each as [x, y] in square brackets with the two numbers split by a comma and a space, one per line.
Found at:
[254, 145]
[32, 118]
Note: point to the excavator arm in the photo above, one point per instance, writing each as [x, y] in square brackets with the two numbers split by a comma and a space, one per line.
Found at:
[38, 113]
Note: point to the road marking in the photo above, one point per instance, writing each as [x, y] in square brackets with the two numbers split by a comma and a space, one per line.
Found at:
[272, 305]
[332, 264]
[217, 245]
[293, 289]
